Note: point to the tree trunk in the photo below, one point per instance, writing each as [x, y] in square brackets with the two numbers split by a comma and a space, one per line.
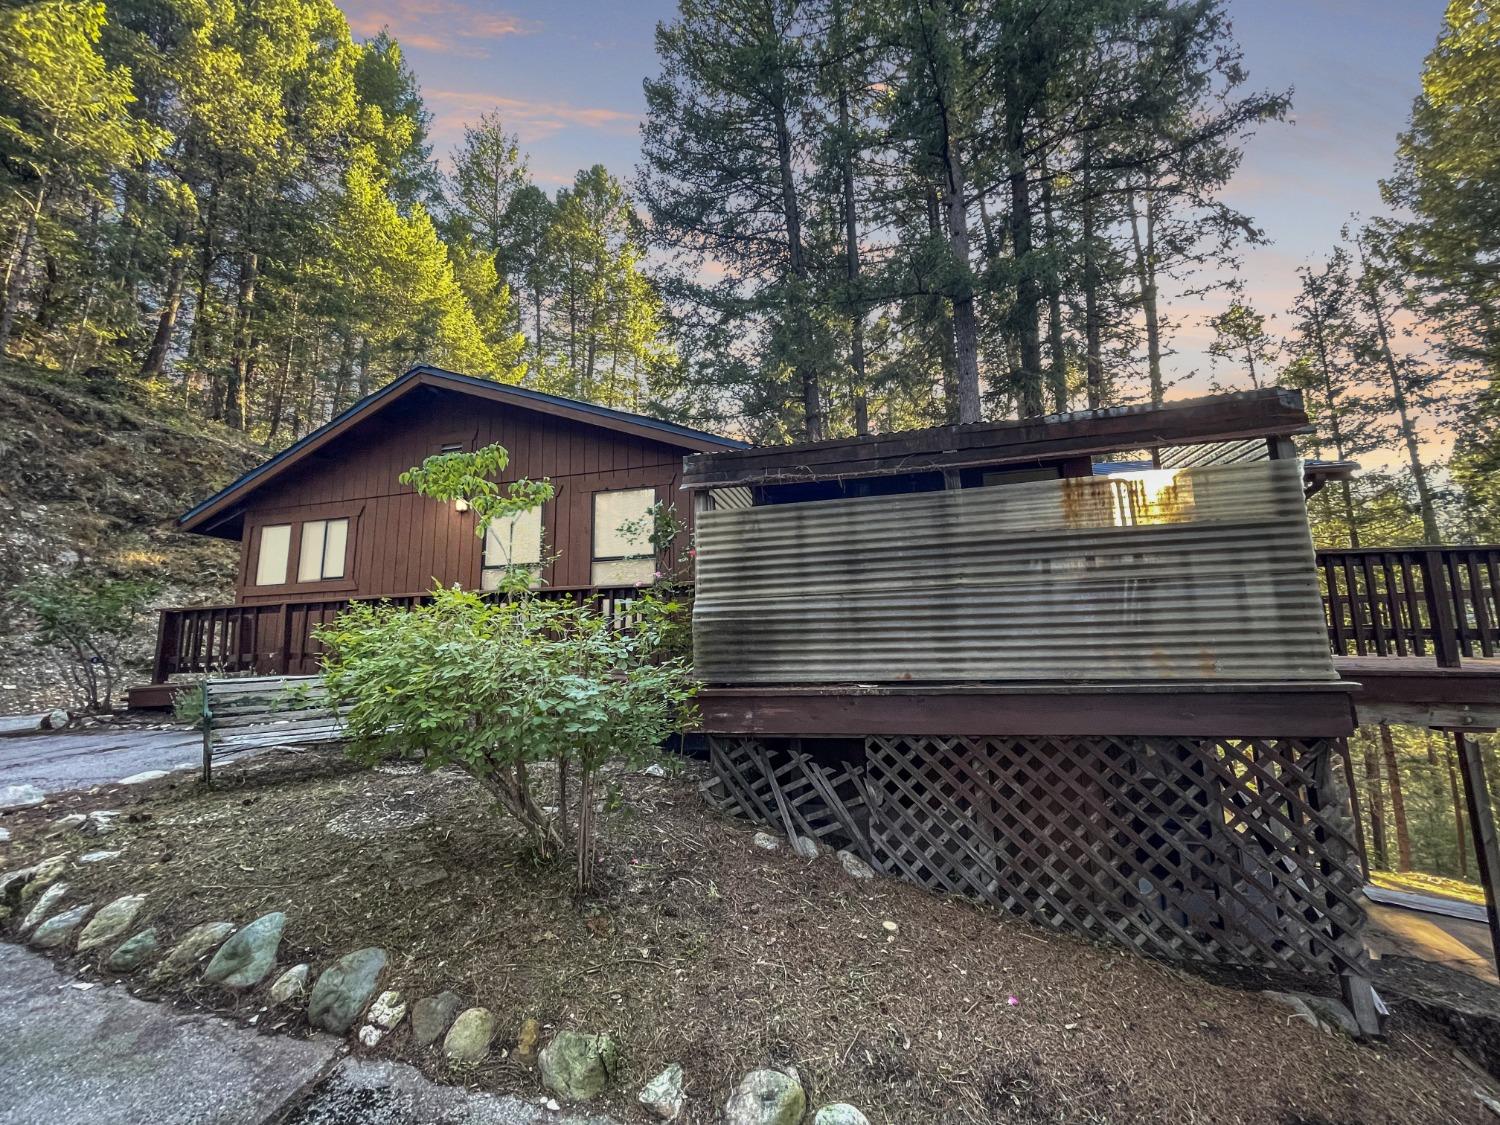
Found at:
[1375, 802]
[364, 366]
[1145, 269]
[1460, 829]
[1057, 365]
[239, 355]
[16, 279]
[1330, 400]
[1093, 327]
[939, 310]
[1398, 800]
[166, 323]
[807, 372]
[858, 384]
[1370, 287]
[965, 321]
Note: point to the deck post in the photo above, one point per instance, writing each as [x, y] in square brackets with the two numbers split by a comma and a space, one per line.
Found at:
[1440, 609]
[164, 634]
[1482, 828]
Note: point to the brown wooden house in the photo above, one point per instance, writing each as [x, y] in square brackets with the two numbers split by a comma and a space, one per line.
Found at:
[326, 521]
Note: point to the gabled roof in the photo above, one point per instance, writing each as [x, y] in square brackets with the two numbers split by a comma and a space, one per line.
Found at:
[622, 421]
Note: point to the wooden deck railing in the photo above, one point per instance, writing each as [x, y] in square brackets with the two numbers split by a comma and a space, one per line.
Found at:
[276, 639]
[1442, 602]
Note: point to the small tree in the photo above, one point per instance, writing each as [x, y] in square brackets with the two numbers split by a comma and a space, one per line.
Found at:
[498, 687]
[85, 622]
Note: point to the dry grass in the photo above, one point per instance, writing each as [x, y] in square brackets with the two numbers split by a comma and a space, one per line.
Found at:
[700, 948]
[1420, 882]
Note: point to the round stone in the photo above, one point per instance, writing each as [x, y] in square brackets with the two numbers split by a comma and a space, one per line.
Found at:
[577, 1065]
[662, 1096]
[855, 867]
[110, 923]
[343, 990]
[468, 1040]
[196, 944]
[134, 952]
[840, 1113]
[57, 929]
[766, 1097]
[291, 985]
[43, 906]
[431, 1015]
[244, 960]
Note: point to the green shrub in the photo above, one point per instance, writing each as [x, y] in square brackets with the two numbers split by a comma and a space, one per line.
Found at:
[498, 687]
[84, 621]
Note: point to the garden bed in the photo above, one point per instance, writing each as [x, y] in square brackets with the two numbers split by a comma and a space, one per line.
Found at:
[699, 947]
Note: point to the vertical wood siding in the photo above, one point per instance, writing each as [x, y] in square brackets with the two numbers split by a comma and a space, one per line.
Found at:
[403, 542]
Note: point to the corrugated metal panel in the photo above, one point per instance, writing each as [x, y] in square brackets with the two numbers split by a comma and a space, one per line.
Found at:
[1214, 453]
[1194, 574]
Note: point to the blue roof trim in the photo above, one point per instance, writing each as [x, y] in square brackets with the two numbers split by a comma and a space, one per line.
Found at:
[395, 385]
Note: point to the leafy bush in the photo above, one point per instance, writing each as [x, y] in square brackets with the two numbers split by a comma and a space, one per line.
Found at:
[85, 621]
[497, 687]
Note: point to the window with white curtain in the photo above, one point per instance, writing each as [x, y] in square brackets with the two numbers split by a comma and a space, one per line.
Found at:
[274, 555]
[324, 543]
[516, 541]
[621, 558]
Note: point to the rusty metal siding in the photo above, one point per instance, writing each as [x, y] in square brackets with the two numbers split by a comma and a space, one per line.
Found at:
[1200, 574]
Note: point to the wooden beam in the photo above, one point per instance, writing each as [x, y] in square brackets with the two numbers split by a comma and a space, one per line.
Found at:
[1306, 711]
[1482, 828]
[1254, 414]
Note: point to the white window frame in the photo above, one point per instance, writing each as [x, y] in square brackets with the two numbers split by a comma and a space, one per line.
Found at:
[280, 562]
[504, 548]
[319, 532]
[635, 562]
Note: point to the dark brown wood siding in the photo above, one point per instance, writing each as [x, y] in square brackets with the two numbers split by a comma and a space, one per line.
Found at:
[402, 543]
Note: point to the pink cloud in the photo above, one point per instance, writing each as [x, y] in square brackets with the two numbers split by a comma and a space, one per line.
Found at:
[530, 119]
[452, 27]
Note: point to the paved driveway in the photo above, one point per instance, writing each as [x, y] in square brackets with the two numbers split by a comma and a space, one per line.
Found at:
[55, 762]
[101, 1056]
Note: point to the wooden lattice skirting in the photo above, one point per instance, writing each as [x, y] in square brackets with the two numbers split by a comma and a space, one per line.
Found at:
[1230, 850]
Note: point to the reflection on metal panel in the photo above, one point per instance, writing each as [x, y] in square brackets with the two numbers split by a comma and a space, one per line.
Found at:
[1214, 453]
[1197, 574]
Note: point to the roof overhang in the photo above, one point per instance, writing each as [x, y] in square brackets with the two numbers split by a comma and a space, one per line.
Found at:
[216, 514]
[1270, 413]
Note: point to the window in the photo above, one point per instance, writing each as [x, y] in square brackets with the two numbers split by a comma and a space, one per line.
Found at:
[620, 559]
[323, 549]
[512, 542]
[275, 553]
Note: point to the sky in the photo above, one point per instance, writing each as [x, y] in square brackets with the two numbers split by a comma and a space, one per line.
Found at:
[566, 77]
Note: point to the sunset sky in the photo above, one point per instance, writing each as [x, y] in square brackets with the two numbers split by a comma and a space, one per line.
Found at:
[566, 76]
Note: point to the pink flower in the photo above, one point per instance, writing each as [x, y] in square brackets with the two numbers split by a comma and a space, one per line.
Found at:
[692, 552]
[1013, 1001]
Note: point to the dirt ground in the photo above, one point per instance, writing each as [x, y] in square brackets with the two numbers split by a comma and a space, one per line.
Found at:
[699, 947]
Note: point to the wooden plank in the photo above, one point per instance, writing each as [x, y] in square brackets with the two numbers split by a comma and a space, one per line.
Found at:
[1081, 711]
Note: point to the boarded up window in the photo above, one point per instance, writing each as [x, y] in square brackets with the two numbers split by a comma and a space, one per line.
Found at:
[622, 537]
[512, 542]
[324, 544]
[275, 551]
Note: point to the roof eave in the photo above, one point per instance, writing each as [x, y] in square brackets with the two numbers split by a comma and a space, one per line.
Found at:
[200, 518]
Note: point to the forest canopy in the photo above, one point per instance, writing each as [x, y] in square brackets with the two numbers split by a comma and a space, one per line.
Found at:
[848, 216]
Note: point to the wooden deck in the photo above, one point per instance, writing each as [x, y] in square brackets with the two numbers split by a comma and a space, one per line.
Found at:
[1420, 691]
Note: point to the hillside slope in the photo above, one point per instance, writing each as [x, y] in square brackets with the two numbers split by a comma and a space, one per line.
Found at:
[92, 476]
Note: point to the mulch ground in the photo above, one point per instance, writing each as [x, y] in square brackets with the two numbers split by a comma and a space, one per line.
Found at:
[700, 948]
